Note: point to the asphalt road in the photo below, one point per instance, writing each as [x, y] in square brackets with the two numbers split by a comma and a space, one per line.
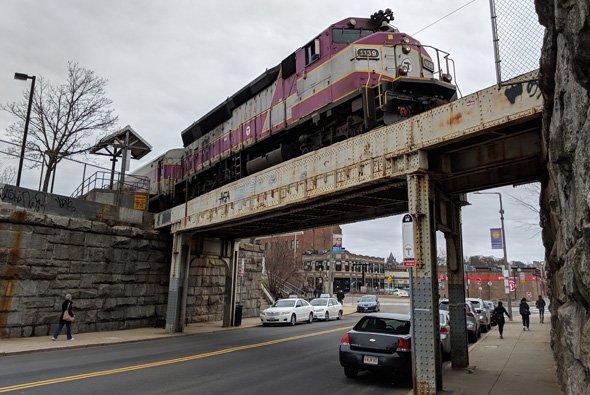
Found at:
[260, 360]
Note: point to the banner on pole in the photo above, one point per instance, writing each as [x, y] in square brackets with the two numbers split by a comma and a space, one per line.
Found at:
[496, 237]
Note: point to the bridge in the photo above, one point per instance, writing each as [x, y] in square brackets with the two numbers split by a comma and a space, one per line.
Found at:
[423, 166]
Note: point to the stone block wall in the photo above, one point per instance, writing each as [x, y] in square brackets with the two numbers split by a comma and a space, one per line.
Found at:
[206, 285]
[117, 275]
[565, 195]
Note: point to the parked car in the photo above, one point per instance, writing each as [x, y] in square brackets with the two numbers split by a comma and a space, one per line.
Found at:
[491, 306]
[368, 303]
[378, 342]
[472, 322]
[401, 292]
[483, 314]
[445, 333]
[287, 311]
[326, 308]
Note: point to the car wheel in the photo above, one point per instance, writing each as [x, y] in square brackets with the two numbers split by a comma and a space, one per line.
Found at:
[339, 315]
[479, 333]
[327, 316]
[471, 337]
[293, 320]
[484, 328]
[310, 320]
[264, 324]
[351, 373]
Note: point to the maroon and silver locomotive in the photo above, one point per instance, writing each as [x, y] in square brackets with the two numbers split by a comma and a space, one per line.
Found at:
[357, 74]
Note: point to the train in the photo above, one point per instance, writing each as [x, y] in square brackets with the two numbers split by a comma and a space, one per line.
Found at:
[355, 75]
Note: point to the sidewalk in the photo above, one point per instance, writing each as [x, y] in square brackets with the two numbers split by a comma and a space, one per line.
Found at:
[521, 363]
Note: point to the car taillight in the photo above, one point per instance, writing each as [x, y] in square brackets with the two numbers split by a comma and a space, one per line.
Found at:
[469, 314]
[444, 330]
[345, 340]
[404, 345]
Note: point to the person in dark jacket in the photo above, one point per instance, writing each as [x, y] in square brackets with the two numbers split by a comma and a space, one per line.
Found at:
[66, 305]
[525, 313]
[540, 304]
[340, 296]
[499, 312]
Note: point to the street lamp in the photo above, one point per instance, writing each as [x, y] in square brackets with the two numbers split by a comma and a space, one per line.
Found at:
[506, 264]
[24, 77]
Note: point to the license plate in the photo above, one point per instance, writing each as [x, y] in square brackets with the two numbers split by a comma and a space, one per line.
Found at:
[273, 319]
[369, 360]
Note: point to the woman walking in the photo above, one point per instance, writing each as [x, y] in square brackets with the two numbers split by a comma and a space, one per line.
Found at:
[541, 306]
[525, 313]
[499, 312]
[64, 319]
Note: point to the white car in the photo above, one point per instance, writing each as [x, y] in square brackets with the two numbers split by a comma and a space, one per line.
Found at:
[401, 292]
[326, 308]
[287, 311]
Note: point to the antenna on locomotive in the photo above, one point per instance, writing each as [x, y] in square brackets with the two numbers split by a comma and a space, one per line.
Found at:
[382, 18]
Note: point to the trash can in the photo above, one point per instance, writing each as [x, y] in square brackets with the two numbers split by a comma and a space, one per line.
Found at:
[238, 316]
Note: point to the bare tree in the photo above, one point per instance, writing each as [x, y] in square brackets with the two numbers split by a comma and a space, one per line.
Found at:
[280, 266]
[530, 202]
[63, 118]
[7, 174]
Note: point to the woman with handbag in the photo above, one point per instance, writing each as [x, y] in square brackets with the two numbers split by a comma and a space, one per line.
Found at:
[66, 318]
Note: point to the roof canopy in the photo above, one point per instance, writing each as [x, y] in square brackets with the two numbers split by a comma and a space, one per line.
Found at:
[137, 147]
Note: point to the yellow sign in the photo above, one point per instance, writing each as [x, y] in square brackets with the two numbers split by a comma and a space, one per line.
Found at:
[390, 279]
[139, 202]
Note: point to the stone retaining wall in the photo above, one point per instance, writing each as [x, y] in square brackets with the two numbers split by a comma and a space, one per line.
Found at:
[205, 294]
[565, 196]
[117, 275]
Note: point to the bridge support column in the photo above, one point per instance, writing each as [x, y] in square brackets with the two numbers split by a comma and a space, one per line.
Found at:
[425, 336]
[229, 253]
[178, 271]
[450, 218]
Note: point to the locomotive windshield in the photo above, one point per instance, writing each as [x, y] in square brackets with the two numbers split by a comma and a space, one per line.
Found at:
[347, 36]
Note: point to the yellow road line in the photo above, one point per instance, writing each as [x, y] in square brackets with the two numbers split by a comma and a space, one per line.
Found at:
[162, 363]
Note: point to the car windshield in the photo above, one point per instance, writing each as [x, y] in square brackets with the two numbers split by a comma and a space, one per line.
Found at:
[383, 325]
[443, 306]
[284, 303]
[367, 298]
[319, 302]
[443, 318]
[475, 304]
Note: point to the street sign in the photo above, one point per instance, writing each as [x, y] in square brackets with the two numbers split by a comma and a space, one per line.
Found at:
[512, 286]
[408, 241]
[390, 279]
[409, 263]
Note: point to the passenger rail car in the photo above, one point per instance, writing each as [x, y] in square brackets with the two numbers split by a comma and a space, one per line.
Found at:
[164, 172]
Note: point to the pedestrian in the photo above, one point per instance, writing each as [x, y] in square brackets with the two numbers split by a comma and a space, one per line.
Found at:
[64, 319]
[340, 296]
[540, 304]
[525, 313]
[499, 312]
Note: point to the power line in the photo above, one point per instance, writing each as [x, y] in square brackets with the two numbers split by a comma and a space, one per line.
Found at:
[446, 16]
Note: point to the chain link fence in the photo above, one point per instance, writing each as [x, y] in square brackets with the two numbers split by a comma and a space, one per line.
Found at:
[518, 37]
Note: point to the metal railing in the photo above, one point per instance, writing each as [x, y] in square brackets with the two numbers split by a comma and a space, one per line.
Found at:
[102, 180]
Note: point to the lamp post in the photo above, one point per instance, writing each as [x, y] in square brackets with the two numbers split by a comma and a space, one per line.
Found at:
[24, 77]
[506, 264]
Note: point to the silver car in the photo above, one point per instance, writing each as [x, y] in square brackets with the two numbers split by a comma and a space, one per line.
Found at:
[473, 327]
[445, 334]
[483, 313]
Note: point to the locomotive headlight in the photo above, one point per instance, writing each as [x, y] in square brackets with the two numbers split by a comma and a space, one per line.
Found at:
[446, 77]
[405, 45]
[403, 69]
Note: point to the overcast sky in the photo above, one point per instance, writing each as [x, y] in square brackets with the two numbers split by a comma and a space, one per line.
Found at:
[170, 62]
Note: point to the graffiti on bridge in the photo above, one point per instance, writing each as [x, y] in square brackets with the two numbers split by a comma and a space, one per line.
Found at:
[33, 200]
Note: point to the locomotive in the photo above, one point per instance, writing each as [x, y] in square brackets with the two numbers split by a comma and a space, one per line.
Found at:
[357, 74]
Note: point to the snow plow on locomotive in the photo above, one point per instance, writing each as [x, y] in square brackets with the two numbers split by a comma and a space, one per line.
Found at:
[357, 74]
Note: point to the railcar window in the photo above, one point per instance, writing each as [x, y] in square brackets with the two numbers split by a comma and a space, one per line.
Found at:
[312, 51]
[347, 36]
